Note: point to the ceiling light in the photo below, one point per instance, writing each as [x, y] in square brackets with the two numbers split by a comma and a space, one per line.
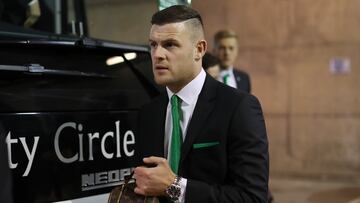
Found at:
[119, 59]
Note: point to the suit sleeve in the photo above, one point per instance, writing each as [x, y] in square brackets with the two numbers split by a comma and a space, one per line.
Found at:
[247, 158]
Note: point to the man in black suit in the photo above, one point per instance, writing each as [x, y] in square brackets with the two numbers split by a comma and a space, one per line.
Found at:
[205, 142]
[226, 49]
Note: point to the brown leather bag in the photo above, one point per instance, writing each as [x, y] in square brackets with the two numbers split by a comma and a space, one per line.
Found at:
[124, 193]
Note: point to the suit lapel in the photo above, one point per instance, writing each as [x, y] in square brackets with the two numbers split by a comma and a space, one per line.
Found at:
[203, 108]
[237, 76]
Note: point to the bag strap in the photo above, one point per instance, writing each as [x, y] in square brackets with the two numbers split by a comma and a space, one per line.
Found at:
[128, 178]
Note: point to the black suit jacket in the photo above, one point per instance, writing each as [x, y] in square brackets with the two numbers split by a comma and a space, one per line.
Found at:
[242, 80]
[225, 152]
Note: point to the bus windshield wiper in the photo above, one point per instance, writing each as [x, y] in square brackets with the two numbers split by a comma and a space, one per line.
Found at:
[37, 69]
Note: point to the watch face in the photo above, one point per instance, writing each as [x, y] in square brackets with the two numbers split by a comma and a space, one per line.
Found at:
[174, 192]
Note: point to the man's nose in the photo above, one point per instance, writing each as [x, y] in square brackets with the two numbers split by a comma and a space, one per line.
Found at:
[227, 51]
[158, 52]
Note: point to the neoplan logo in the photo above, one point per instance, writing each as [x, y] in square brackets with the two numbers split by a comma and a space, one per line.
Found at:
[104, 179]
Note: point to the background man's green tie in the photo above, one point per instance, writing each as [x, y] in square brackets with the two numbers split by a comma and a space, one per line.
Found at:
[225, 78]
[176, 139]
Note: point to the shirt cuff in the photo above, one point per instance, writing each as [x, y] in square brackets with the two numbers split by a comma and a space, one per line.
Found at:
[183, 182]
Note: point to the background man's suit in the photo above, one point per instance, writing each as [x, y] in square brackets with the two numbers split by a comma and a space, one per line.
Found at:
[225, 152]
[242, 80]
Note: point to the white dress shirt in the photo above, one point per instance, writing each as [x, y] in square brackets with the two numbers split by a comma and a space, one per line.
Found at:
[231, 79]
[189, 96]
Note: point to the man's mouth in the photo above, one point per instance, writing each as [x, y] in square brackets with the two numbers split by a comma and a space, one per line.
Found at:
[161, 67]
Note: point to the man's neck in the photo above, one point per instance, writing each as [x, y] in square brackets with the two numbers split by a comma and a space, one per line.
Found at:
[226, 67]
[179, 85]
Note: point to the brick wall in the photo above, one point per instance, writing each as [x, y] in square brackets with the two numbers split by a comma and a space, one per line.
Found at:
[312, 115]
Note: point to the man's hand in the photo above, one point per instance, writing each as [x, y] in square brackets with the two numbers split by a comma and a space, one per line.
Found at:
[153, 181]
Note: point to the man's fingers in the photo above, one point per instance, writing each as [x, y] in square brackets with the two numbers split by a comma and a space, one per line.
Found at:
[153, 180]
[137, 190]
[138, 171]
[153, 160]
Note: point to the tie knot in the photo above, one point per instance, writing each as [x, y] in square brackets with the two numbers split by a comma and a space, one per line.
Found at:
[175, 107]
[175, 100]
[226, 77]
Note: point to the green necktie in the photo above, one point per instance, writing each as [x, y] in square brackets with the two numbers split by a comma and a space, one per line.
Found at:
[225, 78]
[176, 138]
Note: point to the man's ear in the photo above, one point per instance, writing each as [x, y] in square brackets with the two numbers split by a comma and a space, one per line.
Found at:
[200, 49]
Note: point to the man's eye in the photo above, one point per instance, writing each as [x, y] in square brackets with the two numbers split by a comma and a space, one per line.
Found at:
[169, 45]
[152, 44]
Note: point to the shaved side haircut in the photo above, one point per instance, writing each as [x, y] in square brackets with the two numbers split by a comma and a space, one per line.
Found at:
[181, 13]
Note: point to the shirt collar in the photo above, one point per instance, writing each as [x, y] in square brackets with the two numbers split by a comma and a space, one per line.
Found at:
[191, 91]
[227, 71]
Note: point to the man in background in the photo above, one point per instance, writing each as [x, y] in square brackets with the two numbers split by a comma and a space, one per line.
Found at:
[211, 65]
[226, 49]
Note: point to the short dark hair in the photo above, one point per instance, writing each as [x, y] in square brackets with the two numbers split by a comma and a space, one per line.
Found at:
[224, 34]
[209, 60]
[175, 14]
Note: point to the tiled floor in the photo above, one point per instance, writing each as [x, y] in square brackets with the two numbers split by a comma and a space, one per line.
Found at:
[289, 190]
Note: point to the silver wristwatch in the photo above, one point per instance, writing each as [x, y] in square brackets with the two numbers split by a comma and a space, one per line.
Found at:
[174, 190]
